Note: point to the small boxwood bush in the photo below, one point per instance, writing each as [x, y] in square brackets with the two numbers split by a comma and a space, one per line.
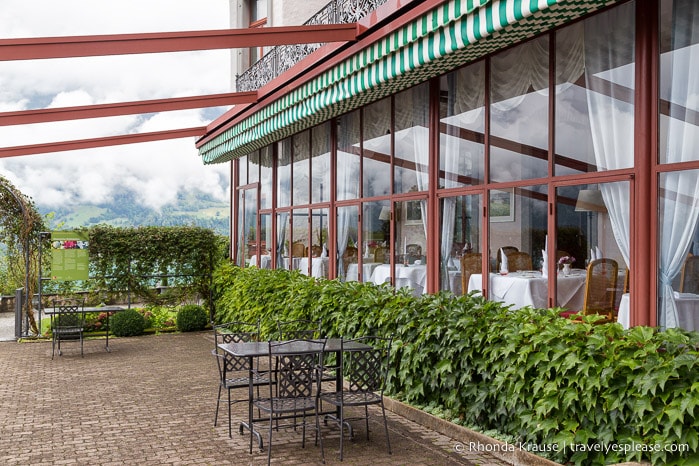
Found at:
[127, 323]
[191, 318]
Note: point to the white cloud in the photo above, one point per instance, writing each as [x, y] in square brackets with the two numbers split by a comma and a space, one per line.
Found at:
[155, 171]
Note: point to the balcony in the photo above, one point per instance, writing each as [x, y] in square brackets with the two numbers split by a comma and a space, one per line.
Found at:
[283, 57]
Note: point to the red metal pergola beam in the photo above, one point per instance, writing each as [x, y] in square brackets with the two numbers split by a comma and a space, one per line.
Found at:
[124, 44]
[46, 115]
[17, 151]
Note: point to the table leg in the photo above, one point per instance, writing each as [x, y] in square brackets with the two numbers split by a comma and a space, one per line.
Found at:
[249, 425]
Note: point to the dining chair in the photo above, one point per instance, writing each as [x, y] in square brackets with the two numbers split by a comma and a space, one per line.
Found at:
[519, 260]
[364, 374]
[470, 263]
[600, 291]
[381, 255]
[67, 323]
[298, 249]
[350, 256]
[306, 329]
[689, 278]
[233, 371]
[296, 391]
[507, 250]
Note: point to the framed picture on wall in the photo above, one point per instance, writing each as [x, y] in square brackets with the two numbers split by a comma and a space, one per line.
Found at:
[413, 213]
[502, 205]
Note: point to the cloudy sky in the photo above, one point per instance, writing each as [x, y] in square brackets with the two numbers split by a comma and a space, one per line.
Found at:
[155, 170]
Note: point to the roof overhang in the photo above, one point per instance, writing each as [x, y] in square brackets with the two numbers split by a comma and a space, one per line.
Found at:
[424, 43]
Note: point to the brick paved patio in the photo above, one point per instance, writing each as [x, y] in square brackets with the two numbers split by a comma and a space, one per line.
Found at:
[150, 402]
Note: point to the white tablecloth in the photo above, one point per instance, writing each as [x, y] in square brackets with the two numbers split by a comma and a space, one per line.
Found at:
[687, 311]
[415, 273]
[367, 270]
[319, 266]
[522, 289]
[265, 261]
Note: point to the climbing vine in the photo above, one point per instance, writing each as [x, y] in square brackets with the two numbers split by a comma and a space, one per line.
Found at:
[20, 225]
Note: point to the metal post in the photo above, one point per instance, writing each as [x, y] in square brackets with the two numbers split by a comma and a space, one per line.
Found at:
[18, 312]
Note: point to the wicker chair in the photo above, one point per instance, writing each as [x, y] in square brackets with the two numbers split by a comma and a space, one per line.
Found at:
[689, 279]
[519, 260]
[470, 263]
[600, 291]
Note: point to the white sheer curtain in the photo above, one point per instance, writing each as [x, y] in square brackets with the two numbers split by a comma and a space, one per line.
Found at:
[282, 221]
[679, 202]
[526, 68]
[608, 61]
[344, 218]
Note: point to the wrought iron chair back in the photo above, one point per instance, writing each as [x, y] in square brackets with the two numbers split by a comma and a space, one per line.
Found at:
[67, 323]
[365, 372]
[295, 391]
[300, 329]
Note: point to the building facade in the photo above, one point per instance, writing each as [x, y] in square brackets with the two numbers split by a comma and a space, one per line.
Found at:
[453, 132]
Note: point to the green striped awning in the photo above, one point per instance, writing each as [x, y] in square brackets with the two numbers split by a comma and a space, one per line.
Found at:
[451, 35]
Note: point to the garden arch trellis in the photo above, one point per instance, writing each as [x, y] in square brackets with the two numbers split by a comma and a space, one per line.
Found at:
[20, 224]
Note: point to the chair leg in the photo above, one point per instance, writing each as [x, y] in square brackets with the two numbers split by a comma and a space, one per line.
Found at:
[385, 428]
[218, 400]
[319, 438]
[82, 355]
[269, 441]
[366, 419]
[230, 428]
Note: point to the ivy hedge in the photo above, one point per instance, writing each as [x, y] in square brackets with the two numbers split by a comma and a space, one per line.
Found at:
[582, 393]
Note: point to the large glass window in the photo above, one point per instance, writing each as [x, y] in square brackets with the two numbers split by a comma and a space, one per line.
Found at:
[519, 80]
[411, 161]
[592, 223]
[347, 244]
[460, 251]
[595, 93]
[376, 124]
[300, 168]
[376, 239]
[299, 237]
[518, 219]
[462, 126]
[266, 164]
[284, 173]
[320, 163]
[243, 171]
[254, 167]
[348, 156]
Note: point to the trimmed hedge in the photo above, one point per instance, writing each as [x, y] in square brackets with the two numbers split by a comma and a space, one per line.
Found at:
[593, 394]
[191, 318]
[128, 323]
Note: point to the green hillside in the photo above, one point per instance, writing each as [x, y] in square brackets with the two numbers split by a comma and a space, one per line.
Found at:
[191, 208]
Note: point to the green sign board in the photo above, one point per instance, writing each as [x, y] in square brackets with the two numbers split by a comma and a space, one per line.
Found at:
[69, 255]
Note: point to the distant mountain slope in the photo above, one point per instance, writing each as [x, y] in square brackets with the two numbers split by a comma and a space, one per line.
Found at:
[191, 208]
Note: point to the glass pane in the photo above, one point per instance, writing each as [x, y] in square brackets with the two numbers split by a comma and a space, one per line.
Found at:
[265, 260]
[240, 242]
[243, 171]
[517, 219]
[254, 167]
[250, 223]
[320, 163]
[462, 126]
[283, 241]
[299, 237]
[319, 262]
[592, 223]
[594, 93]
[460, 251]
[376, 238]
[679, 81]
[348, 141]
[376, 124]
[411, 245]
[519, 112]
[679, 239]
[412, 140]
[347, 250]
[301, 154]
[266, 160]
[284, 173]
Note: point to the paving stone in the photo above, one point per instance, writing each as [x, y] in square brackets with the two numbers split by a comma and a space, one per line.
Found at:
[151, 401]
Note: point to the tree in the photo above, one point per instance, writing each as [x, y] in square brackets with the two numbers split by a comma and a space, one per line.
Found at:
[20, 225]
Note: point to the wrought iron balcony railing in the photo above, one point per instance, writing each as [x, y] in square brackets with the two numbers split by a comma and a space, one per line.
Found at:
[283, 57]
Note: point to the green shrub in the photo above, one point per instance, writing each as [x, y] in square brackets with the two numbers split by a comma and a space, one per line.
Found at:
[128, 323]
[528, 374]
[191, 318]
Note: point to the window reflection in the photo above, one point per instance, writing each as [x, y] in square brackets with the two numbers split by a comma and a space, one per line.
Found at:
[519, 112]
[412, 140]
[462, 126]
[376, 124]
[459, 255]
